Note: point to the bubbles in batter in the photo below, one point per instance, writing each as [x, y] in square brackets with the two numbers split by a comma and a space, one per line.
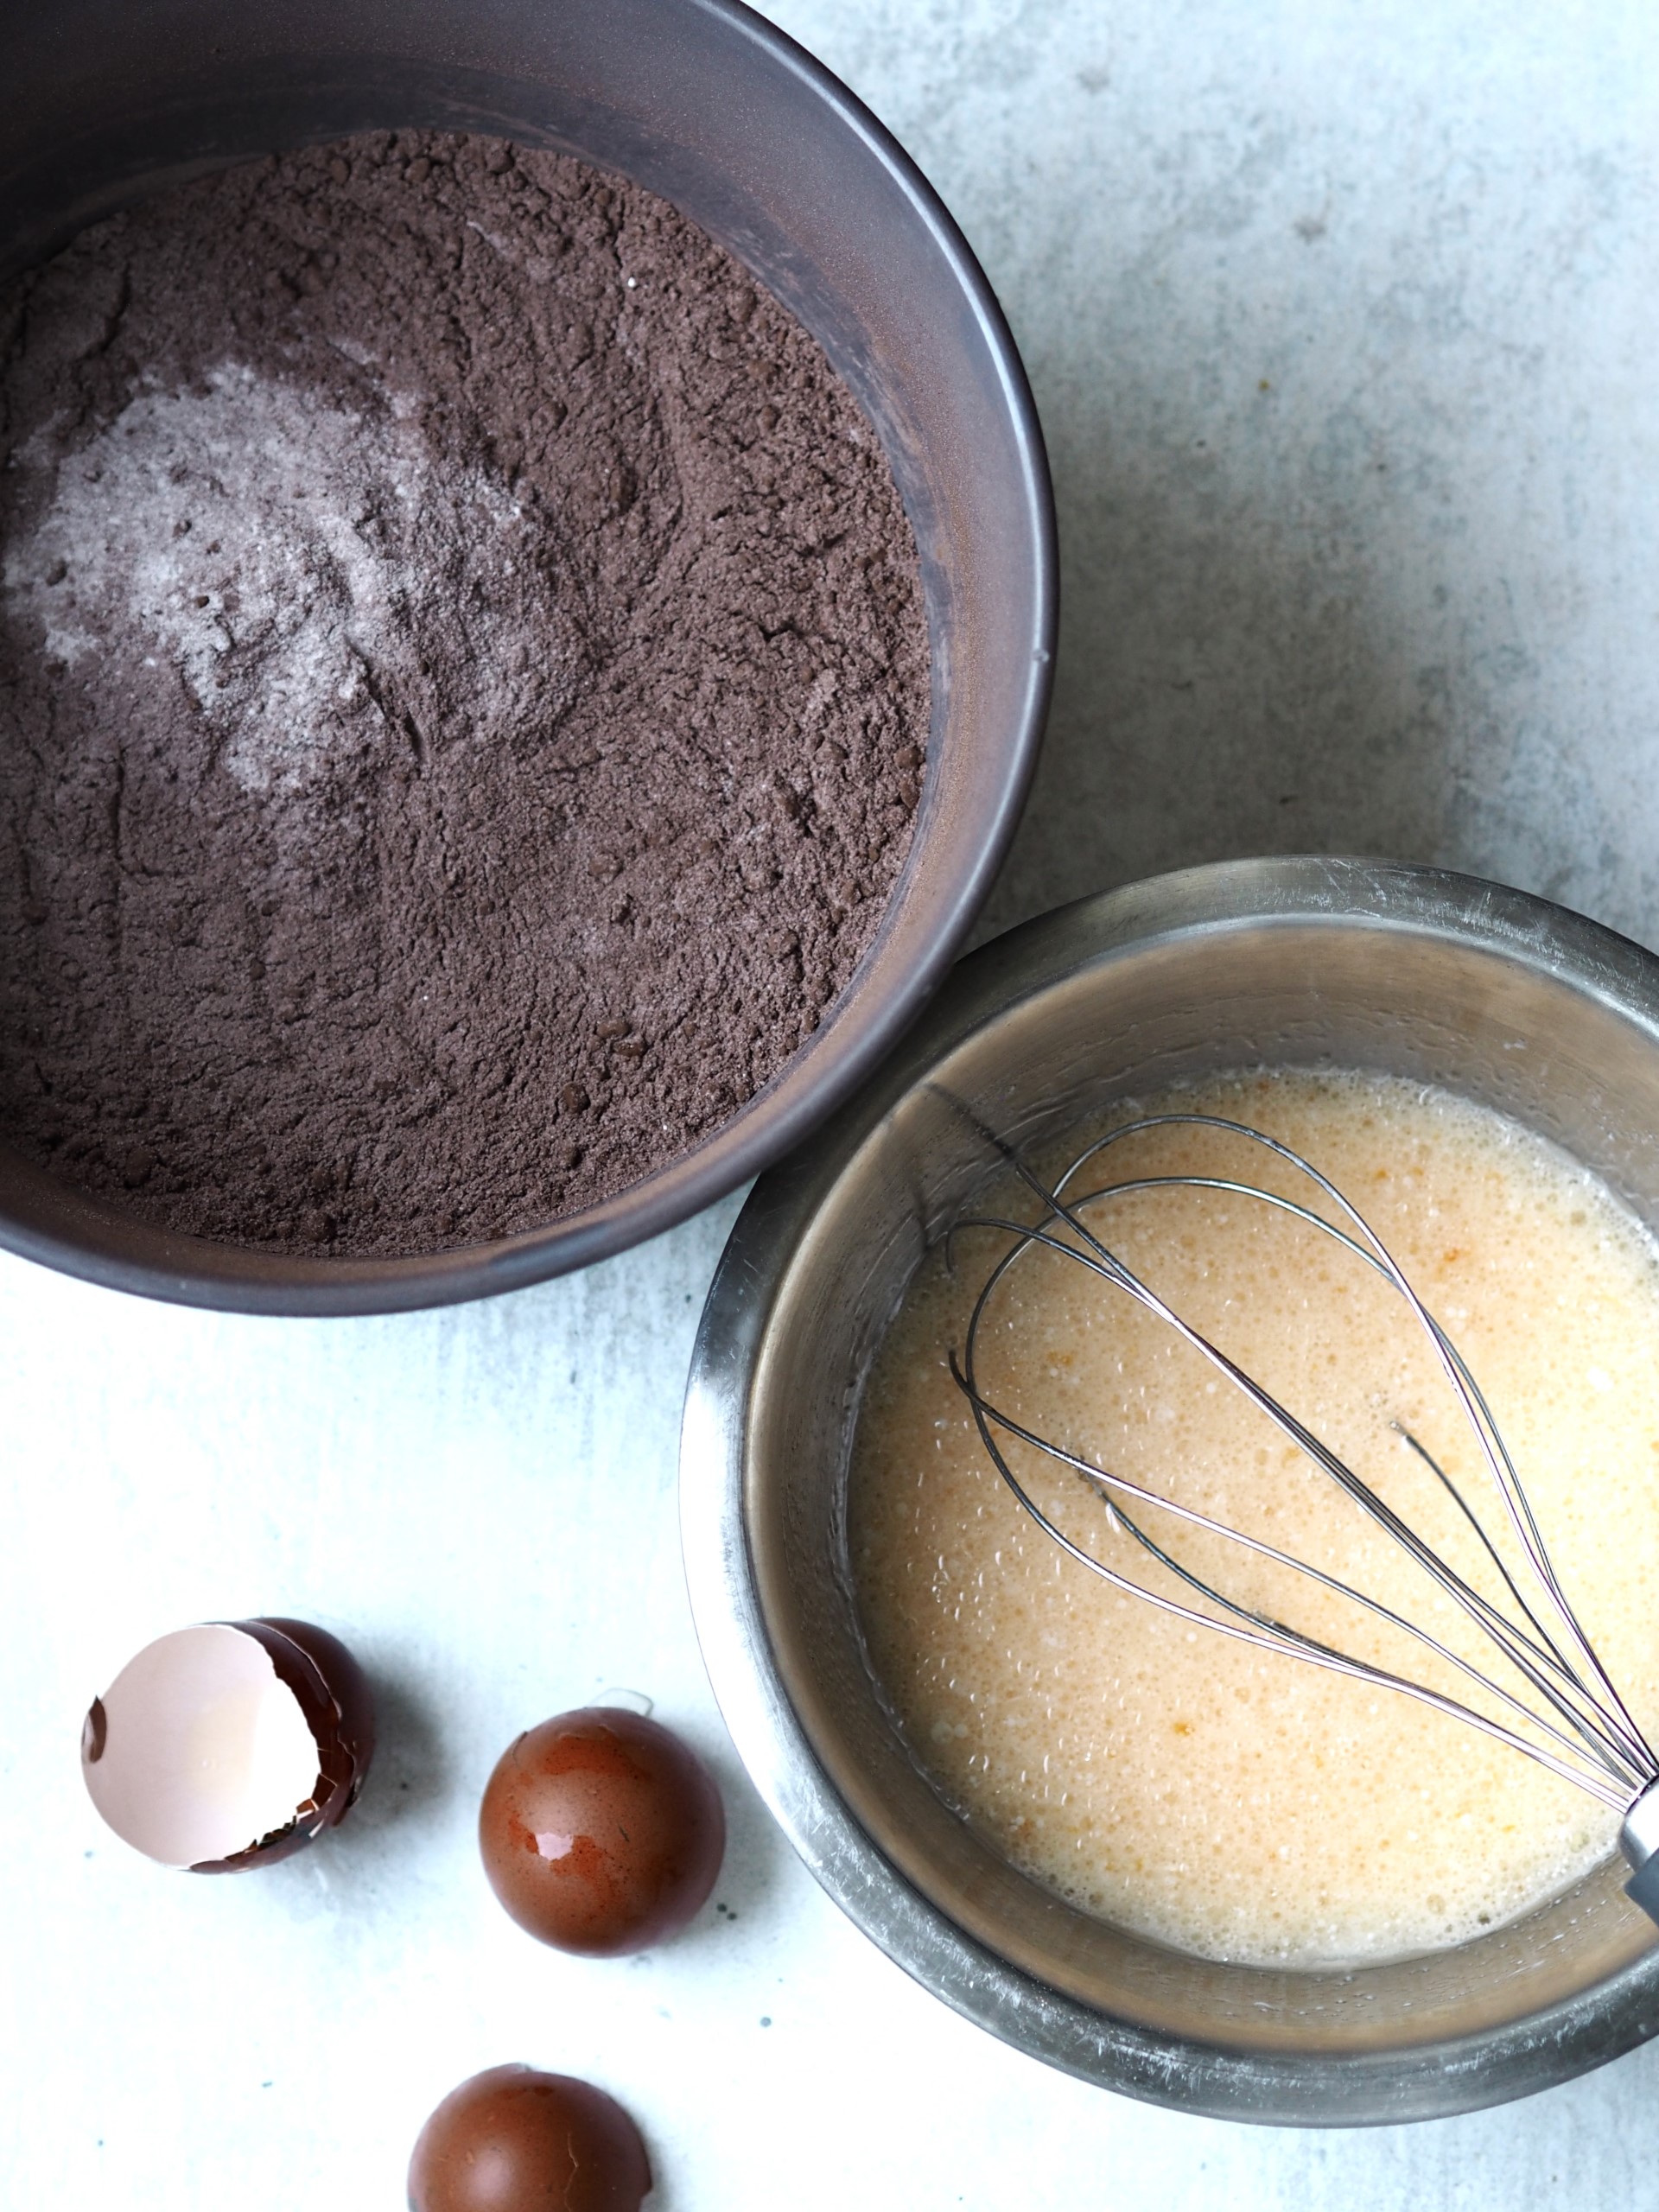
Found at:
[1231, 1802]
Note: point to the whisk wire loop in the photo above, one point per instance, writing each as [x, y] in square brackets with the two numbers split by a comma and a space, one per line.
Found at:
[1267, 1634]
[1610, 1758]
[1496, 1451]
[1630, 1743]
[1508, 1640]
[1490, 1438]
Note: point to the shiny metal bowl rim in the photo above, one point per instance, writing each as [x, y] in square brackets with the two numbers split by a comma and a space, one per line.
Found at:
[1432, 2079]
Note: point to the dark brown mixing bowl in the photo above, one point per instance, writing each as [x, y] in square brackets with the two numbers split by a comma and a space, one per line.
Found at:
[103, 102]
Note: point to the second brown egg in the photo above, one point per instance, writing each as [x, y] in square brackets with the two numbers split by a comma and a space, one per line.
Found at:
[601, 1832]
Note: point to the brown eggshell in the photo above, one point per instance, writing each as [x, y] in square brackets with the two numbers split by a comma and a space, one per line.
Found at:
[601, 1832]
[334, 1694]
[515, 2140]
[256, 1734]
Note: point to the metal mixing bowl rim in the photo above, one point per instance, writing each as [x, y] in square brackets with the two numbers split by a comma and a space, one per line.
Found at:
[858, 1033]
[1349, 2088]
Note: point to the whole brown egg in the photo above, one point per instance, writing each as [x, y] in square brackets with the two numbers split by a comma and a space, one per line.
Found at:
[601, 1832]
[515, 2140]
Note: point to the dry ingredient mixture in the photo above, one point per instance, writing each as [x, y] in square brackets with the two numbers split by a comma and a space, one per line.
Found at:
[463, 691]
[1239, 1804]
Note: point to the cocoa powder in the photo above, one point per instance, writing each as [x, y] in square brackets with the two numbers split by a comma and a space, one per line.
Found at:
[463, 689]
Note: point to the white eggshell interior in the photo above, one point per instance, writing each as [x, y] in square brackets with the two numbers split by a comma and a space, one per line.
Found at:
[206, 1750]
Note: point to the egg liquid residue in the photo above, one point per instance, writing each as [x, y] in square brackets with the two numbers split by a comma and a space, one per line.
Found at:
[1241, 1804]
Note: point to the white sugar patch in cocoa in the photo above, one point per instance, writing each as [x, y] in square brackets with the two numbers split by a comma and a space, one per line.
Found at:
[283, 555]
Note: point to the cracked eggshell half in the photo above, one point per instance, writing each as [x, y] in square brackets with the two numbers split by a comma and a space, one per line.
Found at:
[230, 1745]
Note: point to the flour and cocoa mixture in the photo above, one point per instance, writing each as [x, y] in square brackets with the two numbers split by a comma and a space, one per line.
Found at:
[463, 687]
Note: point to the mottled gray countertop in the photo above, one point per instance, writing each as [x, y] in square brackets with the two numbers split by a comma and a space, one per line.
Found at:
[1341, 321]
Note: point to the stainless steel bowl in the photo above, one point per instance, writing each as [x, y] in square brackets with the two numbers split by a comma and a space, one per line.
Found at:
[1307, 962]
[103, 102]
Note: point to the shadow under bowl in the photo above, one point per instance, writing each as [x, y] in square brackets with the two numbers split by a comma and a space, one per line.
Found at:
[102, 103]
[1502, 998]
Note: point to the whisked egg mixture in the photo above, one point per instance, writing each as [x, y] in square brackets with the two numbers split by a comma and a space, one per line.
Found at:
[1244, 1805]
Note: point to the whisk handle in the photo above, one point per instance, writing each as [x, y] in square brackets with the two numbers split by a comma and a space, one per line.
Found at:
[1639, 1840]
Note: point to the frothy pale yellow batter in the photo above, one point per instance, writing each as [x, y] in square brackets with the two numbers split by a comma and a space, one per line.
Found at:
[1236, 1803]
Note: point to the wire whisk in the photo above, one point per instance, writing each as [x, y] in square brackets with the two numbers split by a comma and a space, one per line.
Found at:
[1553, 1700]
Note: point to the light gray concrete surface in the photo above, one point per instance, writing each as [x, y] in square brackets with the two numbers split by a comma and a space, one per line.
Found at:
[1341, 325]
[1341, 322]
